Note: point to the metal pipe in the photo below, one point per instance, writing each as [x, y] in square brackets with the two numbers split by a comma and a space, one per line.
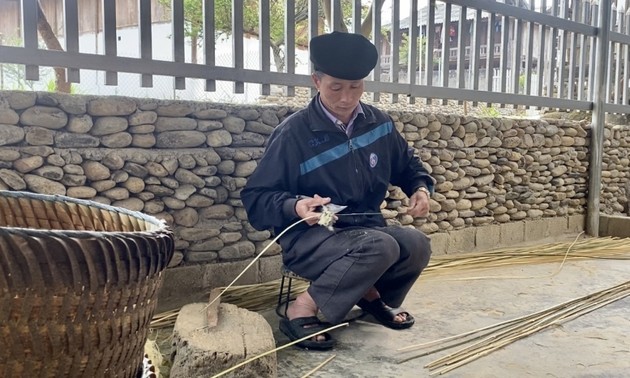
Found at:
[599, 115]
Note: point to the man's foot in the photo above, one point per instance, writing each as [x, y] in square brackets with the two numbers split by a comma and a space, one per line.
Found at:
[400, 316]
[302, 320]
[299, 328]
[389, 317]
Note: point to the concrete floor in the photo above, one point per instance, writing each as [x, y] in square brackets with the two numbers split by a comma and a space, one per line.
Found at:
[594, 345]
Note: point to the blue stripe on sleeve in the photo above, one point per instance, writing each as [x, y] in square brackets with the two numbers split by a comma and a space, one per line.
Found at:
[343, 149]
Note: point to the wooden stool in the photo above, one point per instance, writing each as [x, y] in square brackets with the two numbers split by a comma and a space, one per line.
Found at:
[285, 298]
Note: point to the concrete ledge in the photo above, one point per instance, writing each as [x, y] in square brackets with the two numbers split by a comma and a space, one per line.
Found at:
[486, 236]
[189, 284]
[577, 223]
[511, 233]
[205, 352]
[483, 238]
[538, 229]
[614, 225]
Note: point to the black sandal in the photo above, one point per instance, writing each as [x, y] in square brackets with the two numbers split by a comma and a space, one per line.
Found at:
[385, 314]
[298, 328]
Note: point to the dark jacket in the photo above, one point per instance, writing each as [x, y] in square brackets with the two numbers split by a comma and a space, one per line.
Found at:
[307, 155]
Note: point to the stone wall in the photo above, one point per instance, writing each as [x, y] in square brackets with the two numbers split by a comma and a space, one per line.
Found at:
[186, 162]
[616, 170]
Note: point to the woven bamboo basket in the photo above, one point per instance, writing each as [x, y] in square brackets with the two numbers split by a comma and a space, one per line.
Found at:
[78, 286]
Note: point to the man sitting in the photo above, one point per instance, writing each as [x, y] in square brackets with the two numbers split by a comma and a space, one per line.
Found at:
[342, 151]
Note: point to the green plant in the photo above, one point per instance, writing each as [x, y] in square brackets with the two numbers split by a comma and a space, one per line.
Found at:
[51, 86]
[403, 52]
[12, 75]
[12, 78]
[488, 112]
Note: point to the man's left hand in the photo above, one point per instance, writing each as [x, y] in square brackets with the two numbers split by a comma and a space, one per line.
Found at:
[419, 204]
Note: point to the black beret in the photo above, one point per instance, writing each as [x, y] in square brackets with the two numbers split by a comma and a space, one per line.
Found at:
[345, 56]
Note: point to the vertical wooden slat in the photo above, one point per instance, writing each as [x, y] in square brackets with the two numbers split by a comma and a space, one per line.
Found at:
[529, 55]
[446, 47]
[413, 46]
[553, 35]
[541, 62]
[461, 49]
[264, 42]
[109, 34]
[179, 54]
[562, 58]
[29, 35]
[611, 54]
[146, 39]
[492, 20]
[336, 16]
[356, 16]
[618, 77]
[71, 35]
[583, 46]
[517, 55]
[428, 56]
[208, 40]
[237, 41]
[313, 19]
[505, 42]
[313, 23]
[593, 57]
[376, 39]
[289, 42]
[475, 52]
[395, 40]
[626, 63]
[573, 40]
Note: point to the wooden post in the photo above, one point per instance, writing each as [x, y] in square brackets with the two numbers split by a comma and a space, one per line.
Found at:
[213, 309]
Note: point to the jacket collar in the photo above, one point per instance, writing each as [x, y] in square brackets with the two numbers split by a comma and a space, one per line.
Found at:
[318, 121]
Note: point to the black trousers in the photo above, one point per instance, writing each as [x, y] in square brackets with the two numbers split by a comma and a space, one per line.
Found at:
[342, 265]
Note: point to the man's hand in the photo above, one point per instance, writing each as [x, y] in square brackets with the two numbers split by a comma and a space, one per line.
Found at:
[419, 204]
[306, 208]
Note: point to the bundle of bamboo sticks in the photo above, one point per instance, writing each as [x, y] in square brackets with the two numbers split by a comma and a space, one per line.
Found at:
[488, 339]
[592, 248]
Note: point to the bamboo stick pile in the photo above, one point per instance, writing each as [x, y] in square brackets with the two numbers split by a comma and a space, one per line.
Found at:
[486, 340]
[591, 248]
[164, 319]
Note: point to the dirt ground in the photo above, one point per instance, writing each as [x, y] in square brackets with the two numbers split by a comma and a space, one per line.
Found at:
[594, 345]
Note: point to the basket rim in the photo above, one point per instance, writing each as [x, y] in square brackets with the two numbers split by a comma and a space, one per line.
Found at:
[160, 223]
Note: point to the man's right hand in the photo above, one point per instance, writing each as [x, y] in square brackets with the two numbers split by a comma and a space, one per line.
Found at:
[307, 208]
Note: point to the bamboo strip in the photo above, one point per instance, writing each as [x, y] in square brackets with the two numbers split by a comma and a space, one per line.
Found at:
[256, 259]
[316, 368]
